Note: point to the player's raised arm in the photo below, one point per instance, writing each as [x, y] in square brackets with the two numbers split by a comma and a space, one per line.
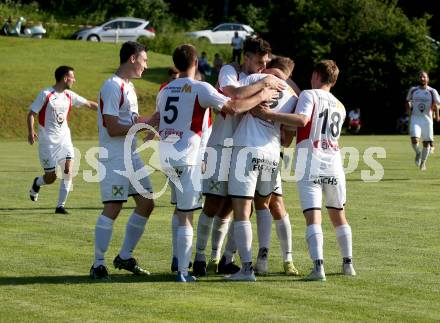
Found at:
[236, 106]
[270, 81]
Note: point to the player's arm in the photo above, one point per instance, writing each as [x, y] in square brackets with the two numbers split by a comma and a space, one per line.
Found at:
[237, 106]
[436, 112]
[408, 107]
[153, 121]
[91, 105]
[114, 128]
[288, 119]
[32, 135]
[242, 92]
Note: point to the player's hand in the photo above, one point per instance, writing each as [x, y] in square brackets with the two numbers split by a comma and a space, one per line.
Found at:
[32, 138]
[274, 82]
[269, 95]
[150, 136]
[261, 111]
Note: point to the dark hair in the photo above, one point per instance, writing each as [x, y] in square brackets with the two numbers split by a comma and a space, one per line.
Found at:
[184, 56]
[256, 46]
[61, 71]
[130, 48]
[172, 70]
[328, 71]
[285, 64]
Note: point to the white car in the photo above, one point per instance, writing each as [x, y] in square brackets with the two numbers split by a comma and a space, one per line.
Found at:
[117, 30]
[223, 33]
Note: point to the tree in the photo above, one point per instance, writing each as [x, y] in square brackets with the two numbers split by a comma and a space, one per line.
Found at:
[377, 48]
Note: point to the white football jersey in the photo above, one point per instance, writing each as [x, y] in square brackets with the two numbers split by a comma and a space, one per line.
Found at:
[317, 149]
[53, 110]
[116, 98]
[422, 101]
[183, 105]
[255, 132]
[225, 124]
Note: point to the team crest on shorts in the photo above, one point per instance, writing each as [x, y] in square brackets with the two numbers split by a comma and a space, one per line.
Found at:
[46, 162]
[214, 186]
[117, 190]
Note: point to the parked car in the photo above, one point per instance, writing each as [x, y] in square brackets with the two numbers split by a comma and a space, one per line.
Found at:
[117, 30]
[223, 33]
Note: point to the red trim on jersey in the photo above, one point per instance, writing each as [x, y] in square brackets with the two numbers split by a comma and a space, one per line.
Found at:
[42, 113]
[197, 117]
[121, 101]
[70, 106]
[163, 85]
[304, 132]
[101, 108]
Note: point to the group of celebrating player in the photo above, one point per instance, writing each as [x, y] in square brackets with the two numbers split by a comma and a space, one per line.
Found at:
[233, 161]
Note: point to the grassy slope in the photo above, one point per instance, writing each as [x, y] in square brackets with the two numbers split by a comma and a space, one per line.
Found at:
[27, 66]
[44, 259]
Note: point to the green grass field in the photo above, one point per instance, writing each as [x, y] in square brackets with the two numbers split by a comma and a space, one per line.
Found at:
[28, 65]
[45, 258]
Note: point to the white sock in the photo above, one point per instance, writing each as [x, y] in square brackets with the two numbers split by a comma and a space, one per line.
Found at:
[343, 235]
[184, 247]
[264, 227]
[425, 153]
[103, 235]
[315, 241]
[243, 239]
[230, 247]
[416, 148]
[133, 233]
[284, 232]
[219, 231]
[65, 187]
[40, 181]
[204, 228]
[174, 226]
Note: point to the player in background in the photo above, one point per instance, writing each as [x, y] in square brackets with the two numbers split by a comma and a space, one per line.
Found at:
[318, 164]
[282, 67]
[354, 121]
[118, 112]
[215, 214]
[421, 104]
[52, 106]
[173, 74]
[181, 108]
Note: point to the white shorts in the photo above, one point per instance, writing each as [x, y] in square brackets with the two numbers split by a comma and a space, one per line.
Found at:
[278, 189]
[253, 171]
[215, 178]
[422, 128]
[311, 191]
[116, 187]
[51, 155]
[190, 197]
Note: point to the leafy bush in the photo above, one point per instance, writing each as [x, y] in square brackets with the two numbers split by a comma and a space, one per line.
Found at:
[165, 43]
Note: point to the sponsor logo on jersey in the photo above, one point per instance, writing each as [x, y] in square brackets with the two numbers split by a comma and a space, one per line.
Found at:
[325, 144]
[186, 88]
